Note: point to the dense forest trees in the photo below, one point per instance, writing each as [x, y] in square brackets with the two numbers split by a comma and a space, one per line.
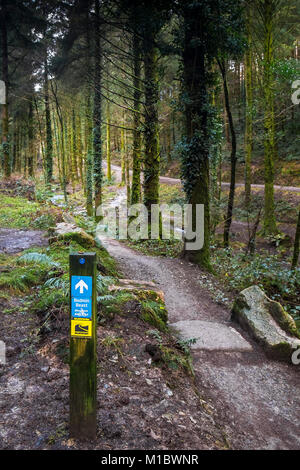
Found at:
[200, 88]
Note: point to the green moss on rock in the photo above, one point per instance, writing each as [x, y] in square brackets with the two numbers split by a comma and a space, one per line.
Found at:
[80, 237]
[283, 319]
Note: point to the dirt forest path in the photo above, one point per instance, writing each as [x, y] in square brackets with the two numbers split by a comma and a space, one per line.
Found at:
[257, 399]
[175, 181]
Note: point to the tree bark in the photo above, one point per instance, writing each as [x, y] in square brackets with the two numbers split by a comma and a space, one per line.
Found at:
[5, 115]
[136, 154]
[49, 141]
[269, 119]
[232, 157]
[97, 114]
[249, 111]
[151, 132]
[296, 244]
[195, 164]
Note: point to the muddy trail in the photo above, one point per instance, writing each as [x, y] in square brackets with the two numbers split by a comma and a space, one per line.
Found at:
[15, 241]
[257, 399]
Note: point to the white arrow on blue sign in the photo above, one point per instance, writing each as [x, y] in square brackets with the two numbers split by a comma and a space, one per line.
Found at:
[81, 293]
[81, 285]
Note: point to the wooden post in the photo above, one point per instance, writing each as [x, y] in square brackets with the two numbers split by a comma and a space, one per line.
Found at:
[83, 346]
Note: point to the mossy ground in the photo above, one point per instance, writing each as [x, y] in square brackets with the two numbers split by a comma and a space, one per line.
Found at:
[17, 212]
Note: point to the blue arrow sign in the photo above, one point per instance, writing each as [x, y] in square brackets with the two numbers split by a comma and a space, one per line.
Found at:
[81, 293]
[81, 286]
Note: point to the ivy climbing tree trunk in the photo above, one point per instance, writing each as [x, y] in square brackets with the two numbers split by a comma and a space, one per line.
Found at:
[49, 142]
[267, 11]
[108, 155]
[97, 113]
[195, 156]
[151, 127]
[5, 116]
[249, 109]
[74, 150]
[88, 130]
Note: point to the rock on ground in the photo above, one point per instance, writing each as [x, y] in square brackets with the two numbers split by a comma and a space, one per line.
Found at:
[69, 231]
[267, 322]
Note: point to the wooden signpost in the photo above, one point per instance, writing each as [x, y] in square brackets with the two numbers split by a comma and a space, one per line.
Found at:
[83, 346]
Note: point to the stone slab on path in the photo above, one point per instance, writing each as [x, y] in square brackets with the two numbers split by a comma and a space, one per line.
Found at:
[211, 336]
[14, 240]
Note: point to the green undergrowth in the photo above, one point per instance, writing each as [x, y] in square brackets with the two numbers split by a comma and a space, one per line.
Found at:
[17, 212]
[171, 194]
[175, 354]
[151, 308]
[168, 248]
[279, 282]
[43, 274]
[166, 351]
[154, 313]
[23, 272]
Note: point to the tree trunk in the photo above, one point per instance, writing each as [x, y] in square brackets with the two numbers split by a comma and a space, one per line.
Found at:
[108, 155]
[97, 114]
[30, 139]
[269, 119]
[296, 244]
[74, 150]
[151, 128]
[89, 137]
[195, 161]
[123, 165]
[49, 143]
[5, 117]
[128, 187]
[232, 157]
[136, 154]
[249, 112]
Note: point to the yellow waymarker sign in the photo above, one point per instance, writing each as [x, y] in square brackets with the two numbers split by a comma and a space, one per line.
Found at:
[82, 328]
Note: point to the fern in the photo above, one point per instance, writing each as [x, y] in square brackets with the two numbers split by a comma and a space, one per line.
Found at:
[103, 282]
[103, 299]
[37, 258]
[58, 283]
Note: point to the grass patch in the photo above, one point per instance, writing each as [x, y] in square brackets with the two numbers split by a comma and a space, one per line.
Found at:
[21, 278]
[17, 212]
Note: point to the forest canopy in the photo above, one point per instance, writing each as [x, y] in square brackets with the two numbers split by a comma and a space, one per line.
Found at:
[204, 90]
